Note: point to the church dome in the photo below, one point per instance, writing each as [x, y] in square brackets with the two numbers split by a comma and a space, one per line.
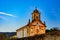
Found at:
[36, 11]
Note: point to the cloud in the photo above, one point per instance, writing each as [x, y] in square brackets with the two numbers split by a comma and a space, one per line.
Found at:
[55, 12]
[7, 14]
[2, 17]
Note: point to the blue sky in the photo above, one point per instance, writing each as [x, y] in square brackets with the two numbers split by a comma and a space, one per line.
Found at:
[16, 13]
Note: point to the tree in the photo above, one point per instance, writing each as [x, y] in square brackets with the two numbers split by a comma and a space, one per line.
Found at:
[54, 29]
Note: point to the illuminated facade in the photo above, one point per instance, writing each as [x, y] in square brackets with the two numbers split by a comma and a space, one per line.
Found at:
[36, 27]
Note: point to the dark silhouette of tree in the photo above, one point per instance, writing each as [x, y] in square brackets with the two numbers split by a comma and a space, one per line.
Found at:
[54, 29]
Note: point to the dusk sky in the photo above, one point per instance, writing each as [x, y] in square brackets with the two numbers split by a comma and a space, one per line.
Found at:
[15, 14]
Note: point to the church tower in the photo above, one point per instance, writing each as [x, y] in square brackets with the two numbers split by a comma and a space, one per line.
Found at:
[35, 15]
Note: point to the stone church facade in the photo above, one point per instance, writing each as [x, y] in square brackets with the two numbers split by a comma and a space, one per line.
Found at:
[35, 27]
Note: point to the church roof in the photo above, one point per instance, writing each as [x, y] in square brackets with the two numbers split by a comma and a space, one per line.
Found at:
[21, 28]
[36, 11]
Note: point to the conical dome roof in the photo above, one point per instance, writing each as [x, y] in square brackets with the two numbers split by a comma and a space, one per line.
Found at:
[36, 11]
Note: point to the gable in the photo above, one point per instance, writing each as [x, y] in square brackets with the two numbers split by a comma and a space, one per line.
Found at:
[37, 23]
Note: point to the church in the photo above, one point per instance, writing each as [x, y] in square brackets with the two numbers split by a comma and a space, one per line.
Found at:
[34, 27]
